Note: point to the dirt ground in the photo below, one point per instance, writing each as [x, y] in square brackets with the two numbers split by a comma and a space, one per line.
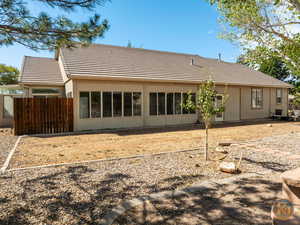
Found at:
[34, 151]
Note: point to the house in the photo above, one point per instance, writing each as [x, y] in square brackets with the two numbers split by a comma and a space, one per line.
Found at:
[119, 87]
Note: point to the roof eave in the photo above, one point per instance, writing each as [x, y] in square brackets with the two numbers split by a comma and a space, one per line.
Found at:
[138, 79]
[41, 84]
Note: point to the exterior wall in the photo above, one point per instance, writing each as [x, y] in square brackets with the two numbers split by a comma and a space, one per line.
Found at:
[69, 91]
[247, 112]
[283, 106]
[62, 69]
[238, 106]
[135, 121]
[4, 122]
[269, 104]
[232, 107]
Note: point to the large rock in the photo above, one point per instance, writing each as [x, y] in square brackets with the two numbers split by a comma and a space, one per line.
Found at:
[228, 167]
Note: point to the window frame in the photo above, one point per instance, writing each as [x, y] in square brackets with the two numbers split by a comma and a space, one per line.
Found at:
[256, 99]
[174, 103]
[281, 96]
[112, 104]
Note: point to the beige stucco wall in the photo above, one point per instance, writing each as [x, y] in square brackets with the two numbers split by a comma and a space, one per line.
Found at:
[238, 106]
[62, 69]
[269, 103]
[135, 121]
[69, 90]
[4, 122]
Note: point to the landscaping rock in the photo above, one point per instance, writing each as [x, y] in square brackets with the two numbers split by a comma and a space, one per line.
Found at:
[224, 144]
[228, 167]
[221, 150]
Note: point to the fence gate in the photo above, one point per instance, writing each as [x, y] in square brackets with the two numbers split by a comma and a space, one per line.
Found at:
[43, 115]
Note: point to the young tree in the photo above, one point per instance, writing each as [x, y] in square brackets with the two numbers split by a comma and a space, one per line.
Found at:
[206, 104]
[8, 75]
[44, 32]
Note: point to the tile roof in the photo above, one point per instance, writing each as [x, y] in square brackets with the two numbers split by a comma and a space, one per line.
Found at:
[120, 62]
[44, 71]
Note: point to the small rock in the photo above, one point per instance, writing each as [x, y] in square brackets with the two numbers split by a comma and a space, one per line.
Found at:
[191, 156]
[223, 144]
[61, 155]
[270, 125]
[197, 165]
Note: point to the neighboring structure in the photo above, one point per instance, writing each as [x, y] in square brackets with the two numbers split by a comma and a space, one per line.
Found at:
[7, 93]
[118, 87]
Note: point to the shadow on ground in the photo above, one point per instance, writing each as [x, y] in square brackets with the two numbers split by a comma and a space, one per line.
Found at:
[247, 201]
[76, 195]
[153, 130]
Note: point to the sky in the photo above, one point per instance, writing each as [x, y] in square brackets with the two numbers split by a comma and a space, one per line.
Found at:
[168, 25]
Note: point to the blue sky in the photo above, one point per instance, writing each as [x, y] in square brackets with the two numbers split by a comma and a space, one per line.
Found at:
[179, 26]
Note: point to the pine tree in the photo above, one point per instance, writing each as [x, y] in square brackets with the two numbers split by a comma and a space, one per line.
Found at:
[44, 32]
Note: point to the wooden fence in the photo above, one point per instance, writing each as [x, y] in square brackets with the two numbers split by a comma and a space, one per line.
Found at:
[43, 115]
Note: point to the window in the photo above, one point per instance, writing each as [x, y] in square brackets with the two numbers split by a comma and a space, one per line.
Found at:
[278, 95]
[96, 104]
[45, 91]
[193, 111]
[184, 101]
[177, 103]
[153, 104]
[127, 104]
[170, 103]
[84, 105]
[117, 100]
[256, 98]
[8, 107]
[107, 104]
[161, 103]
[137, 104]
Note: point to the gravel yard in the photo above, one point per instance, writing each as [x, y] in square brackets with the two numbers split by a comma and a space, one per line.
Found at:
[34, 151]
[7, 141]
[84, 193]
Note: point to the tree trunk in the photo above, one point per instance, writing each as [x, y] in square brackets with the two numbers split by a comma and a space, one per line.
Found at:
[206, 142]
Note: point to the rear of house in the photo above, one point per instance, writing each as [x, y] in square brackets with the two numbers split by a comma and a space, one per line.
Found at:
[117, 87]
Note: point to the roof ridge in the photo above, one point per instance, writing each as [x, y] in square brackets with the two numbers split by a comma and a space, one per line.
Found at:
[143, 49]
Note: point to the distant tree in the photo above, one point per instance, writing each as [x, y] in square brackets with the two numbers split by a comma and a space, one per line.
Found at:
[266, 62]
[8, 75]
[44, 32]
[269, 62]
[270, 24]
[130, 45]
[206, 104]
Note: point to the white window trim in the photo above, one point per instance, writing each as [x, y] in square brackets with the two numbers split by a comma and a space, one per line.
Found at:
[112, 106]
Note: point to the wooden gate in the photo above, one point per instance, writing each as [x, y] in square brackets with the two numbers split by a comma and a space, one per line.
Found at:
[43, 115]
